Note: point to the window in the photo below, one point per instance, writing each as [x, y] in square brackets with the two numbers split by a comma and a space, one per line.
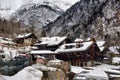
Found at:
[85, 64]
[81, 64]
[69, 46]
[3, 56]
[78, 45]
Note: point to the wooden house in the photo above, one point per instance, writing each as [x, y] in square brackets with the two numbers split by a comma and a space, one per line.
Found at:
[26, 39]
[101, 44]
[51, 43]
[79, 54]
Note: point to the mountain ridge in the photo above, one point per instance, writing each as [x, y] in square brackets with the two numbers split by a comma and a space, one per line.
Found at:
[87, 18]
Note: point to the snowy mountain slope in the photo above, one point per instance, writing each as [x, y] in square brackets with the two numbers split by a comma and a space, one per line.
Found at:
[13, 5]
[88, 18]
[38, 15]
[63, 4]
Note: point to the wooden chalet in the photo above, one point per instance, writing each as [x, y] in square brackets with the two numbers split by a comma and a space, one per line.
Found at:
[26, 39]
[79, 54]
[51, 43]
[101, 44]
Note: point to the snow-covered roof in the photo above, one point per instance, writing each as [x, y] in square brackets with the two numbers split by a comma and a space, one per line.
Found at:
[50, 41]
[55, 61]
[34, 47]
[6, 41]
[42, 52]
[9, 39]
[83, 46]
[56, 40]
[100, 43]
[78, 40]
[23, 35]
[101, 48]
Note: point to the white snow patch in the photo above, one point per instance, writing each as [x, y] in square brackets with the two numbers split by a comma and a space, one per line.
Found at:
[100, 43]
[77, 69]
[23, 35]
[97, 74]
[116, 60]
[114, 49]
[50, 41]
[83, 46]
[28, 73]
[42, 52]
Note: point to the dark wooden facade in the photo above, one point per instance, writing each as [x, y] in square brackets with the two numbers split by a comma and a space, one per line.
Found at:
[27, 40]
[81, 58]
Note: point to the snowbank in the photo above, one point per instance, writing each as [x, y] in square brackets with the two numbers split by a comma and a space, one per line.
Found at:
[97, 74]
[116, 60]
[28, 73]
[76, 69]
[91, 74]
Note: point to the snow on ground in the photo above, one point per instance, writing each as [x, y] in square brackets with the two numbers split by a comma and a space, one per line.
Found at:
[108, 68]
[97, 74]
[113, 71]
[116, 60]
[28, 73]
[76, 69]
[84, 74]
